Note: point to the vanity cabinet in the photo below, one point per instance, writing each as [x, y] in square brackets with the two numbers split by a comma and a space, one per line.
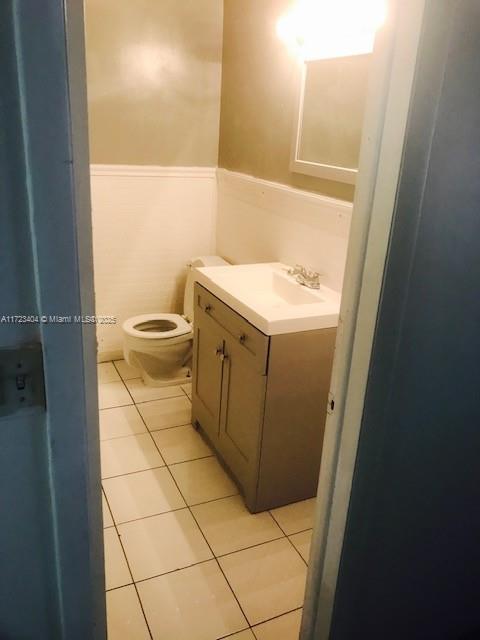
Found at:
[261, 401]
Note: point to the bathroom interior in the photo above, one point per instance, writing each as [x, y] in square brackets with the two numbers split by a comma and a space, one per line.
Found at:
[224, 143]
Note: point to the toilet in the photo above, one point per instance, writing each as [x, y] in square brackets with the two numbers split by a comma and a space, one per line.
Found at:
[160, 344]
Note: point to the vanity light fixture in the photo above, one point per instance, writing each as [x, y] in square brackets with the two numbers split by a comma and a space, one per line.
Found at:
[319, 29]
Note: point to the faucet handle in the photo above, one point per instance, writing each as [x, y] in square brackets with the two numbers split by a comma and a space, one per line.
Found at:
[313, 279]
[296, 270]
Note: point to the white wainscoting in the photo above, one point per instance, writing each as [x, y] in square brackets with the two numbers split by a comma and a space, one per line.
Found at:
[261, 221]
[147, 223]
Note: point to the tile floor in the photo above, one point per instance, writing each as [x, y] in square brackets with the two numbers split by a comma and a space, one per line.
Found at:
[184, 559]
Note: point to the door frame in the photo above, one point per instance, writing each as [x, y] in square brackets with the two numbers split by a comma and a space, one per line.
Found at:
[49, 44]
[60, 204]
[387, 112]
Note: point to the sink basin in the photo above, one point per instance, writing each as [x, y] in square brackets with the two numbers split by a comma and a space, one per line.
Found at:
[270, 299]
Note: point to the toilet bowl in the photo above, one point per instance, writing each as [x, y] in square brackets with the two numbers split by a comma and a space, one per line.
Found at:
[160, 344]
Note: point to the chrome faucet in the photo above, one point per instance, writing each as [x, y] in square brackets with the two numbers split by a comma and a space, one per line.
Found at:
[305, 277]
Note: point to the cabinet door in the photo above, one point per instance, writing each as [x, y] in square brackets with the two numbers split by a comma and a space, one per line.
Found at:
[243, 397]
[207, 374]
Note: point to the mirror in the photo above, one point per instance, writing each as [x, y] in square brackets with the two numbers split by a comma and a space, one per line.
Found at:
[329, 119]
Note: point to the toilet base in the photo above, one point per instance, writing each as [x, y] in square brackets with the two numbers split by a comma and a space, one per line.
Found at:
[167, 382]
[163, 367]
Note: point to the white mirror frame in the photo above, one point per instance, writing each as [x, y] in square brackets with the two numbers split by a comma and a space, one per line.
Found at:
[306, 167]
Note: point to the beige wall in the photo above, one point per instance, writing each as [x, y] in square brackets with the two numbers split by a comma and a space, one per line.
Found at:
[154, 72]
[259, 88]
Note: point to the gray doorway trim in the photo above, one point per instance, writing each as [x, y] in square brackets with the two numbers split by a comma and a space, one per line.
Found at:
[380, 164]
[49, 42]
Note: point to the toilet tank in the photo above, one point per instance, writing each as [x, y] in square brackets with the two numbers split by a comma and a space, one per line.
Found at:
[201, 261]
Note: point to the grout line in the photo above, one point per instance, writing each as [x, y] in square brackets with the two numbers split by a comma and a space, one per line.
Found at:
[131, 574]
[270, 512]
[118, 371]
[147, 430]
[174, 426]
[298, 552]
[122, 586]
[168, 573]
[285, 613]
[177, 464]
[251, 546]
[185, 506]
[190, 507]
[198, 504]
[209, 547]
[292, 534]
[234, 633]
[301, 531]
[152, 515]
[129, 393]
[109, 381]
[172, 464]
[116, 406]
[129, 435]
[222, 571]
[104, 497]
[181, 387]
[178, 395]
[131, 473]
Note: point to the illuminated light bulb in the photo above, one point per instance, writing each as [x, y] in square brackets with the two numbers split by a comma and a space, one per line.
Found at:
[315, 29]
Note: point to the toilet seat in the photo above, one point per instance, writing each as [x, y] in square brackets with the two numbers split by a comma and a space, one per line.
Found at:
[175, 326]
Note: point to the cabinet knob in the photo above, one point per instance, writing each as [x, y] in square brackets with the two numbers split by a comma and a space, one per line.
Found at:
[241, 338]
[208, 308]
[218, 351]
[223, 357]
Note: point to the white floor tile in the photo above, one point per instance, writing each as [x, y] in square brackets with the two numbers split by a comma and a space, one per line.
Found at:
[129, 454]
[268, 580]
[116, 568]
[192, 604]
[126, 371]
[295, 517]
[141, 393]
[164, 543]
[125, 619]
[286, 627]
[180, 444]
[119, 422]
[113, 394]
[202, 480]
[188, 389]
[302, 542]
[142, 494]
[107, 516]
[171, 412]
[106, 372]
[228, 525]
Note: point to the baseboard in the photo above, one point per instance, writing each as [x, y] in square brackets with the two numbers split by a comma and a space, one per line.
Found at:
[151, 171]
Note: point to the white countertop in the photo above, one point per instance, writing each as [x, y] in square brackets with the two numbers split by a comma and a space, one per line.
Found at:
[270, 299]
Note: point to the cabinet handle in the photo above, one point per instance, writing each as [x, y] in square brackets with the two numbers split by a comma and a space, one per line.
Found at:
[241, 338]
[218, 351]
[208, 308]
